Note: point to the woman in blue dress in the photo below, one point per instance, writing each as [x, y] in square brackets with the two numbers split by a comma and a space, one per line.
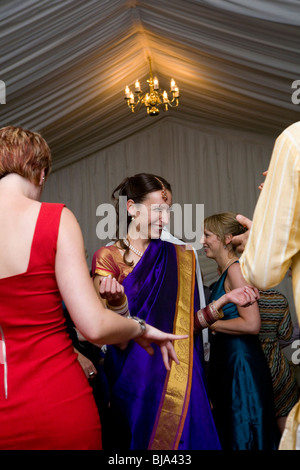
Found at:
[239, 378]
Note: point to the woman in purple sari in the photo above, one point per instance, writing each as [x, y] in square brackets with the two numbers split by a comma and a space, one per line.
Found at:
[151, 407]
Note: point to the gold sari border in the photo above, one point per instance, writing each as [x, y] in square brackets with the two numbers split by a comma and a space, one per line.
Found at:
[175, 399]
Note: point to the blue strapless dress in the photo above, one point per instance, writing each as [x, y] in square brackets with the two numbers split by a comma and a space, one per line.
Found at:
[240, 387]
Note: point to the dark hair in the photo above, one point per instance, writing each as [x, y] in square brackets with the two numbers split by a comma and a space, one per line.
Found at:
[137, 188]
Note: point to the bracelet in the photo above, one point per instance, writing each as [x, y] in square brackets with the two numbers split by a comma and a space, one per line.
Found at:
[141, 322]
[213, 326]
[207, 316]
[120, 309]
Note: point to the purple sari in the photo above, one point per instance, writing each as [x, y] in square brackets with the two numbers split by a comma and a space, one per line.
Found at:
[152, 408]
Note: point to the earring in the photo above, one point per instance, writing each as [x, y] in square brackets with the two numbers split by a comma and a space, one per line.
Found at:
[224, 247]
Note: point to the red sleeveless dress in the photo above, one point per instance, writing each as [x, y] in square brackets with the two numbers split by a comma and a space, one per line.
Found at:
[45, 399]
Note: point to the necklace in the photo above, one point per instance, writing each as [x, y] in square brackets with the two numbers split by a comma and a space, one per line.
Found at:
[229, 263]
[137, 252]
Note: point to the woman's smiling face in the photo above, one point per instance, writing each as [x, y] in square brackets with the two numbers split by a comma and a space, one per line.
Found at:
[152, 214]
[211, 243]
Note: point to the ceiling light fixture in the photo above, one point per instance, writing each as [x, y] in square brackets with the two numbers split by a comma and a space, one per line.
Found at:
[154, 98]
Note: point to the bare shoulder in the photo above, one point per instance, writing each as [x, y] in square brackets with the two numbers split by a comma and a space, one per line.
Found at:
[70, 235]
[69, 222]
[67, 217]
[234, 277]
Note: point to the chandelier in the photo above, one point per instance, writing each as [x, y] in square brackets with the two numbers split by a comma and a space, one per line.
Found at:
[154, 98]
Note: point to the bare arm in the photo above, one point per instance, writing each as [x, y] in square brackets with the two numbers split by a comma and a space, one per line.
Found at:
[248, 321]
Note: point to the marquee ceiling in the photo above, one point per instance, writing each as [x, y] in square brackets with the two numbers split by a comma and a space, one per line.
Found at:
[66, 63]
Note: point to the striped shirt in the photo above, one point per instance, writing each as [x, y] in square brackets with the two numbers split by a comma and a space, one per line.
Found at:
[274, 241]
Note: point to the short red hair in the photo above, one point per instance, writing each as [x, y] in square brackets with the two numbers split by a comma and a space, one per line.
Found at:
[23, 152]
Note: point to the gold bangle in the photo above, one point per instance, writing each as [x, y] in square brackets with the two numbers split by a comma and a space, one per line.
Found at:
[219, 313]
[120, 310]
[213, 326]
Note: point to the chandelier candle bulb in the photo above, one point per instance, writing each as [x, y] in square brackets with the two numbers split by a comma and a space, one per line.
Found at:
[127, 92]
[176, 92]
[155, 83]
[173, 85]
[137, 86]
[131, 98]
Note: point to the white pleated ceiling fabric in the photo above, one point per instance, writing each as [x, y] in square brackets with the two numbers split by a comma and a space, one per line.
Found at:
[65, 65]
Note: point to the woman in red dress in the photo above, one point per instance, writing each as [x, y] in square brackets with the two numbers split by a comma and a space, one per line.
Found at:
[45, 399]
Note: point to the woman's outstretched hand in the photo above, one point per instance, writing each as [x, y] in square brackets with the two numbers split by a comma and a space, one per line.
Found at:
[163, 340]
[243, 296]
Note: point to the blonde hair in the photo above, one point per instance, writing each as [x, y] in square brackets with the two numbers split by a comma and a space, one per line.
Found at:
[23, 152]
[224, 224]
